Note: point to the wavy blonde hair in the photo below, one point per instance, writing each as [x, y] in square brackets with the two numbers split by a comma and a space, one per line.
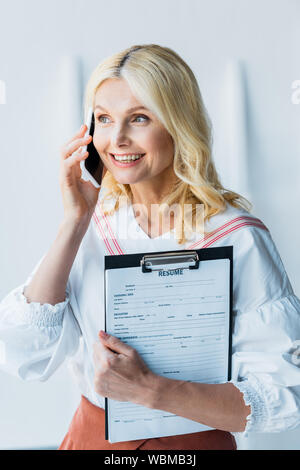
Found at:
[165, 84]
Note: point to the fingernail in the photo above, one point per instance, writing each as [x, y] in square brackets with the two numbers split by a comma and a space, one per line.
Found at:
[103, 335]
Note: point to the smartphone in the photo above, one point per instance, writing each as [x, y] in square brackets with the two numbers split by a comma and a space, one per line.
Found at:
[92, 167]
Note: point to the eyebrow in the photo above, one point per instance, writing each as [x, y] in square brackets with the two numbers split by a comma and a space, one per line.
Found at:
[130, 110]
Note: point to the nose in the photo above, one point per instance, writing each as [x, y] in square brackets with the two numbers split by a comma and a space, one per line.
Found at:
[119, 137]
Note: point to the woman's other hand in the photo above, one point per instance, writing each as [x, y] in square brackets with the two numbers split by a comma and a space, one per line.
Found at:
[120, 372]
[79, 196]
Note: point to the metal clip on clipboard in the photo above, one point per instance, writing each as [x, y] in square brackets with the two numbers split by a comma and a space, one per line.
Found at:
[151, 263]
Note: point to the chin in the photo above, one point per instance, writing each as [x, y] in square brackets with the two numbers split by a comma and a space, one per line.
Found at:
[126, 180]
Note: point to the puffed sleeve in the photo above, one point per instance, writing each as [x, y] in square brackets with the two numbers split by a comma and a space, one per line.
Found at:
[266, 333]
[35, 338]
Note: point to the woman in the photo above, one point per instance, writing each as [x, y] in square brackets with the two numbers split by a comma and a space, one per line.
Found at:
[154, 137]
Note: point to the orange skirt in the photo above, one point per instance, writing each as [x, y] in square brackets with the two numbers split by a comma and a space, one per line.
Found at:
[87, 432]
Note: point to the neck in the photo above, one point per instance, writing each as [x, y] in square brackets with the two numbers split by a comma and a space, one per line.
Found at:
[148, 195]
[146, 199]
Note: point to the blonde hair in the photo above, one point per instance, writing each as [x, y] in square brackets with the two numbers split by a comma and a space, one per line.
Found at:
[165, 84]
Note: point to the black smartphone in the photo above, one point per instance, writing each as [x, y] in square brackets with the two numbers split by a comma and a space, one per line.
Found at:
[92, 167]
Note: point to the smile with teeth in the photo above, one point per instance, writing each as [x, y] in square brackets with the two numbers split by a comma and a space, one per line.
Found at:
[128, 158]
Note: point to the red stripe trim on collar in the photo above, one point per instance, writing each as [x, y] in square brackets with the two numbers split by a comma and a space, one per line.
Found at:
[237, 219]
[246, 222]
[98, 224]
[262, 226]
[118, 248]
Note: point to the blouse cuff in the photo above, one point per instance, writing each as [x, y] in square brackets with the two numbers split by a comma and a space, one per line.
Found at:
[253, 395]
[40, 315]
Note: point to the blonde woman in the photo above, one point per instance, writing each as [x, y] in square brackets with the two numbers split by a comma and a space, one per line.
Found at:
[154, 137]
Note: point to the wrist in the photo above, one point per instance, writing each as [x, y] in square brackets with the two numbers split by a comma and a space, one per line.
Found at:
[73, 229]
[76, 223]
[151, 394]
[160, 390]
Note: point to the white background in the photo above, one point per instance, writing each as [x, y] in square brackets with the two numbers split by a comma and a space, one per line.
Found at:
[47, 52]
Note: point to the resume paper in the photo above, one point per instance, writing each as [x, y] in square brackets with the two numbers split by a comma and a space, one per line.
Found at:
[179, 322]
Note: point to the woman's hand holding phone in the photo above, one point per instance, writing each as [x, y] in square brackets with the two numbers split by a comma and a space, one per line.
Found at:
[79, 196]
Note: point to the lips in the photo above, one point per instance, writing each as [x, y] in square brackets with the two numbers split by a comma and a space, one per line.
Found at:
[120, 155]
[123, 164]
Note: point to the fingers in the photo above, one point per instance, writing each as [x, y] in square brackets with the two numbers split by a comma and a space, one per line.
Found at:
[102, 356]
[115, 344]
[74, 158]
[68, 149]
[107, 350]
[79, 134]
[72, 163]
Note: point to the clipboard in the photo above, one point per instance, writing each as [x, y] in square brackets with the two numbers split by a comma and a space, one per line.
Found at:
[171, 263]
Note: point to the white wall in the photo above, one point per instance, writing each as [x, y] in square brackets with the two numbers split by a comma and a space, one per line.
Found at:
[38, 117]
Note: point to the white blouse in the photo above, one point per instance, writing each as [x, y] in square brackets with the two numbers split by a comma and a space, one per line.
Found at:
[37, 338]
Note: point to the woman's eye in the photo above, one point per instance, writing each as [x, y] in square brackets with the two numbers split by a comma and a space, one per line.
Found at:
[100, 117]
[106, 117]
[142, 116]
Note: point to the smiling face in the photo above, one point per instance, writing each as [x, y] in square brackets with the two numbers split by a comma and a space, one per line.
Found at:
[122, 131]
